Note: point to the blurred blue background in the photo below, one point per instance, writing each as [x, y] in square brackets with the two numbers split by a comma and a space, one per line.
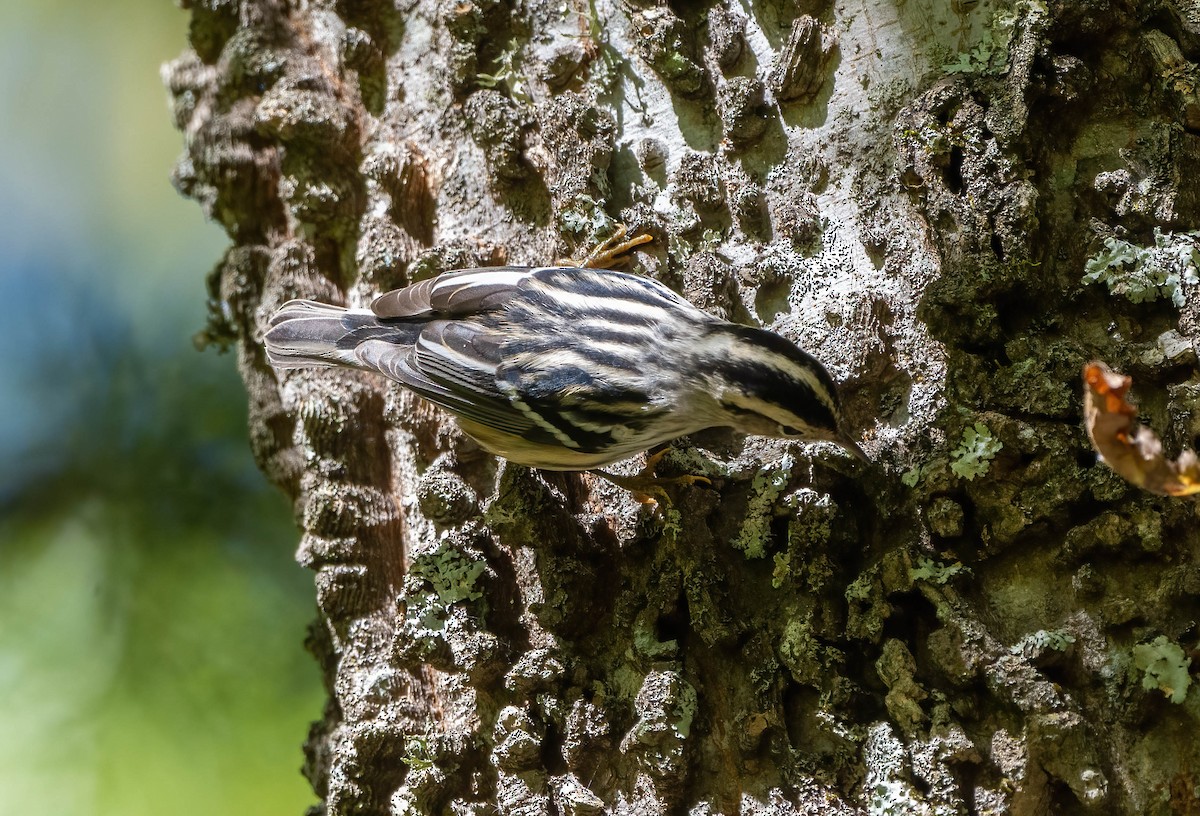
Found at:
[151, 615]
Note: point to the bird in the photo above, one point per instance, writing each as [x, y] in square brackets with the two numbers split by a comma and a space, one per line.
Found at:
[569, 368]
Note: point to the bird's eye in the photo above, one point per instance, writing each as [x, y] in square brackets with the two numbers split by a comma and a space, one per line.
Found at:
[788, 430]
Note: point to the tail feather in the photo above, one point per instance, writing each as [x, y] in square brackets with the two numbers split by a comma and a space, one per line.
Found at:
[304, 333]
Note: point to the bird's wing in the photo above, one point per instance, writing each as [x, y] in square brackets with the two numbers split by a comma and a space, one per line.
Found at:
[546, 386]
[582, 381]
[451, 365]
[454, 294]
[411, 301]
[453, 362]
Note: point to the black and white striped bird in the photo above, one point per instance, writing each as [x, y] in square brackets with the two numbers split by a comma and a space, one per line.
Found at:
[568, 368]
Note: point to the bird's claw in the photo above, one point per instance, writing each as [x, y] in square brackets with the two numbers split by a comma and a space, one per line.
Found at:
[648, 488]
[608, 252]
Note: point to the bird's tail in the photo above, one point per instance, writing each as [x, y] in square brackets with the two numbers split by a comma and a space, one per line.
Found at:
[305, 333]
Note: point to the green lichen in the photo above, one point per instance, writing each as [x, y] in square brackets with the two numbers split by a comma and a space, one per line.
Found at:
[782, 571]
[646, 642]
[452, 576]
[665, 45]
[1164, 666]
[765, 490]
[623, 683]
[218, 331]
[435, 581]
[682, 242]
[1143, 274]
[710, 240]
[809, 530]
[812, 520]
[934, 572]
[1053, 639]
[861, 588]
[672, 525]
[802, 653]
[990, 55]
[508, 74]
[583, 218]
[976, 61]
[685, 709]
[931, 477]
[975, 452]
[416, 752]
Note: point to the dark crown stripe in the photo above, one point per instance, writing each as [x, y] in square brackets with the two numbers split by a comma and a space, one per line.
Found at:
[785, 349]
[775, 387]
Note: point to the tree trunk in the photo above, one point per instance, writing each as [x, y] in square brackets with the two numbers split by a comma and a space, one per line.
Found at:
[985, 620]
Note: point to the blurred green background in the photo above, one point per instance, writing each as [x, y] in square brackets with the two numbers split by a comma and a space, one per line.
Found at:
[151, 615]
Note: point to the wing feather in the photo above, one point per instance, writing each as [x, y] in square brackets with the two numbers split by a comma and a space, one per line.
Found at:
[586, 399]
[454, 294]
[442, 386]
[411, 301]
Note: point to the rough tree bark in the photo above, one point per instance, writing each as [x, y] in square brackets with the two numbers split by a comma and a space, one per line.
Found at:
[984, 621]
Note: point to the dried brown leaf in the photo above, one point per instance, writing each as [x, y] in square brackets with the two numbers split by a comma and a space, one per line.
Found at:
[1132, 450]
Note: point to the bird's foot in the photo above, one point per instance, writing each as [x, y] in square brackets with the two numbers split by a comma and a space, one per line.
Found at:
[648, 488]
[608, 252]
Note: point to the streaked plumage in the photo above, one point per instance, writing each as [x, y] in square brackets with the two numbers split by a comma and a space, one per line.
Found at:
[566, 368]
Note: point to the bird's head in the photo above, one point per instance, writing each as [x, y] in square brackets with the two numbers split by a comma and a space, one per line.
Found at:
[767, 386]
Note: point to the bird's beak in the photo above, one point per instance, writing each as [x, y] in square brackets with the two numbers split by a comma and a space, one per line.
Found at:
[850, 445]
